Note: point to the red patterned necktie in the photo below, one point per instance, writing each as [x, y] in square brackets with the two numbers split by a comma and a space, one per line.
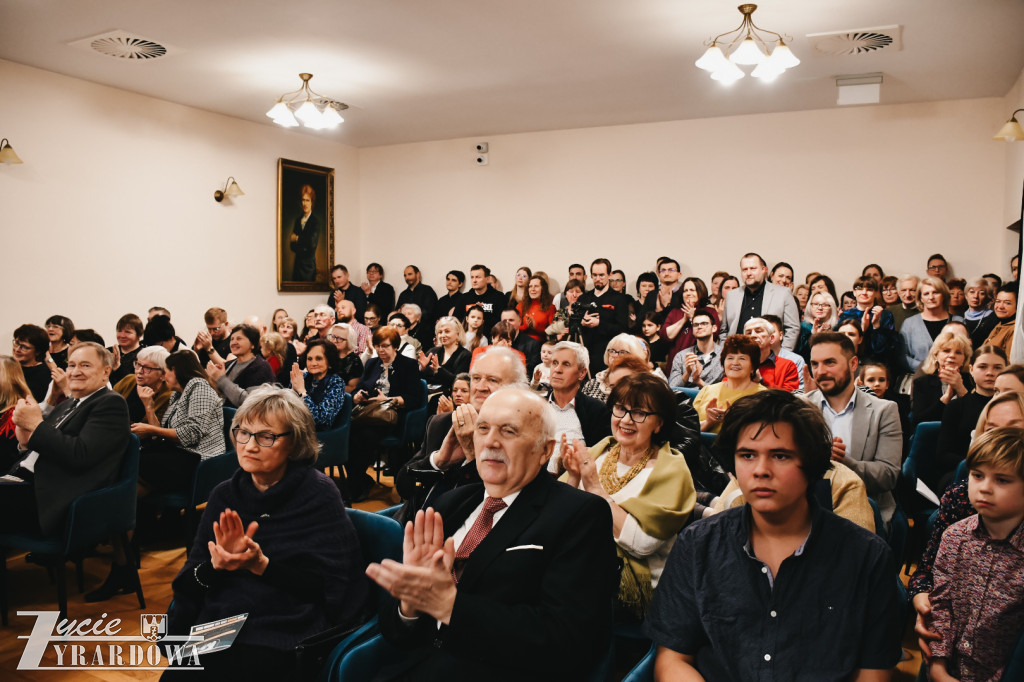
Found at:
[481, 527]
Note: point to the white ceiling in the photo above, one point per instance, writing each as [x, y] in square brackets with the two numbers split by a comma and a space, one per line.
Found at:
[416, 70]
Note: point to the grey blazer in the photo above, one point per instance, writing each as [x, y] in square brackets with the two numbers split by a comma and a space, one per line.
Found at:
[877, 446]
[777, 301]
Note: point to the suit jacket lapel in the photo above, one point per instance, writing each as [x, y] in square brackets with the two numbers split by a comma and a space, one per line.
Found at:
[861, 424]
[519, 516]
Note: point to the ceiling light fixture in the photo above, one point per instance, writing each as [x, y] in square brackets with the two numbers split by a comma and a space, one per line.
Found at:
[7, 154]
[307, 107]
[1011, 130]
[231, 189]
[747, 47]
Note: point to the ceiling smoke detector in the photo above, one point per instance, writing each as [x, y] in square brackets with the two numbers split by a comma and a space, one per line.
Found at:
[858, 41]
[124, 45]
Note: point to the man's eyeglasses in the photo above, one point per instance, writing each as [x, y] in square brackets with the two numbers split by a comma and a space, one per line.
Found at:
[264, 439]
[940, 266]
[638, 416]
[144, 369]
[216, 327]
[668, 269]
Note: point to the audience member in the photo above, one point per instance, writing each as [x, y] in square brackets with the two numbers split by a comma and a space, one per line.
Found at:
[349, 367]
[775, 371]
[1005, 308]
[1010, 379]
[987, 612]
[957, 299]
[876, 377]
[378, 292]
[542, 373]
[446, 360]
[320, 387]
[847, 301]
[421, 295]
[277, 352]
[678, 326]
[942, 377]
[30, 347]
[392, 380]
[702, 617]
[820, 315]
[481, 295]
[668, 286]
[906, 288]
[577, 415]
[757, 297]
[780, 352]
[865, 430]
[216, 336]
[646, 284]
[473, 326]
[447, 303]
[740, 357]
[446, 459]
[715, 291]
[606, 313]
[129, 337]
[650, 331]
[802, 293]
[619, 347]
[145, 390]
[346, 314]
[76, 448]
[938, 267]
[823, 283]
[160, 332]
[323, 317]
[192, 428]
[12, 389]
[274, 543]
[537, 311]
[920, 331]
[59, 330]
[700, 364]
[408, 346]
[889, 287]
[422, 331]
[459, 394]
[879, 340]
[643, 479]
[247, 369]
[782, 275]
[517, 295]
[961, 416]
[979, 318]
[500, 601]
[525, 344]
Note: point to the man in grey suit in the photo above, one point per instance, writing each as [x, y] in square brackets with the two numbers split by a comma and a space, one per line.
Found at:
[758, 297]
[866, 434]
[77, 448]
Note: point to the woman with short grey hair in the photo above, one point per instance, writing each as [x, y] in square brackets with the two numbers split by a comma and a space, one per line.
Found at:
[274, 542]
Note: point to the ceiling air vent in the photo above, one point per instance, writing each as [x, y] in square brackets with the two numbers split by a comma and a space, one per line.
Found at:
[124, 45]
[858, 41]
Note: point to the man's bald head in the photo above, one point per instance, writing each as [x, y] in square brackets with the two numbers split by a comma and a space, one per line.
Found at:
[495, 368]
[513, 439]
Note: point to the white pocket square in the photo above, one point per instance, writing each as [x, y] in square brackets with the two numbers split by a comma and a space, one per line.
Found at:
[512, 549]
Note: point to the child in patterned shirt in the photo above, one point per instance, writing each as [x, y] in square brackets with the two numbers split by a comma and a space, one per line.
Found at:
[978, 597]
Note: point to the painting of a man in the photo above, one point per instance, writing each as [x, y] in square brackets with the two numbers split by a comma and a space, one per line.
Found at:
[304, 239]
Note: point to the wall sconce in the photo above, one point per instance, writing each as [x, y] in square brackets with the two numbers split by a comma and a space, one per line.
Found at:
[7, 154]
[231, 189]
[1011, 130]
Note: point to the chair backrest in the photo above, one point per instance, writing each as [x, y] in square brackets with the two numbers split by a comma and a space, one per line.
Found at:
[961, 471]
[209, 473]
[1015, 668]
[643, 671]
[333, 447]
[95, 516]
[920, 462]
[380, 537]
[229, 416]
[415, 421]
[690, 393]
[709, 439]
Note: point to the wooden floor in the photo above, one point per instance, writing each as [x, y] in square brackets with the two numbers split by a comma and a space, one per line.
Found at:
[30, 589]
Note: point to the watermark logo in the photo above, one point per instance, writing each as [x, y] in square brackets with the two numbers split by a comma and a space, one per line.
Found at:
[99, 645]
[153, 626]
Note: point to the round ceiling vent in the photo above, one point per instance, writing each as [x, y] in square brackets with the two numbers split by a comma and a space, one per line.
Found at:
[858, 41]
[128, 47]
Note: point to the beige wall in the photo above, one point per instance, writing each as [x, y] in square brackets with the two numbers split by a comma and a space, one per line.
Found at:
[113, 211]
[826, 190]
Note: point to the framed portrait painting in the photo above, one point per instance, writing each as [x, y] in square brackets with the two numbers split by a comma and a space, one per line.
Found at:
[305, 226]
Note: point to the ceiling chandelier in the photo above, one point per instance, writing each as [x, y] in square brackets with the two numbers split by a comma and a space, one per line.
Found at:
[747, 47]
[305, 107]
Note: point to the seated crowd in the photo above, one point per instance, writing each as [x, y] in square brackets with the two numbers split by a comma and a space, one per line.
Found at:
[740, 560]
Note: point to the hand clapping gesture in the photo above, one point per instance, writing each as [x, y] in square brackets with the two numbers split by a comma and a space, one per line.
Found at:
[26, 417]
[214, 371]
[444, 404]
[233, 549]
[298, 380]
[576, 460]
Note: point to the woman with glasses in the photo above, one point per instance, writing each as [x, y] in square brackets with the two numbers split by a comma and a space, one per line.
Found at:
[145, 390]
[59, 329]
[877, 325]
[274, 543]
[820, 315]
[192, 428]
[29, 347]
[890, 288]
[644, 480]
[618, 348]
[349, 367]
[391, 379]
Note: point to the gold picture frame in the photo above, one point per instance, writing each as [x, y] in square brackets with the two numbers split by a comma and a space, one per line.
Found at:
[305, 243]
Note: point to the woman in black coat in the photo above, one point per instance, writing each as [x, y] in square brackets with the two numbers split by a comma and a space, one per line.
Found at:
[390, 378]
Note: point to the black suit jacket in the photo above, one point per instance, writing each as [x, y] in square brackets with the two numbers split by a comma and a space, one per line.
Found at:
[595, 418]
[535, 599]
[530, 347]
[304, 267]
[613, 311]
[384, 298]
[81, 455]
[352, 293]
[404, 380]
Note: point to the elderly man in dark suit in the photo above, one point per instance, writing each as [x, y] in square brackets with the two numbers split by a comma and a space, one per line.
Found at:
[758, 297]
[523, 585]
[76, 449]
[445, 461]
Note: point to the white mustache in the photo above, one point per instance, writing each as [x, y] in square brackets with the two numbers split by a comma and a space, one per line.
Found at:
[490, 455]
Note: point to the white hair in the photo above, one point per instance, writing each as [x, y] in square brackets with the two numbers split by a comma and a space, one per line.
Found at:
[548, 419]
[582, 354]
[512, 361]
[633, 343]
[323, 308]
[350, 333]
[155, 354]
